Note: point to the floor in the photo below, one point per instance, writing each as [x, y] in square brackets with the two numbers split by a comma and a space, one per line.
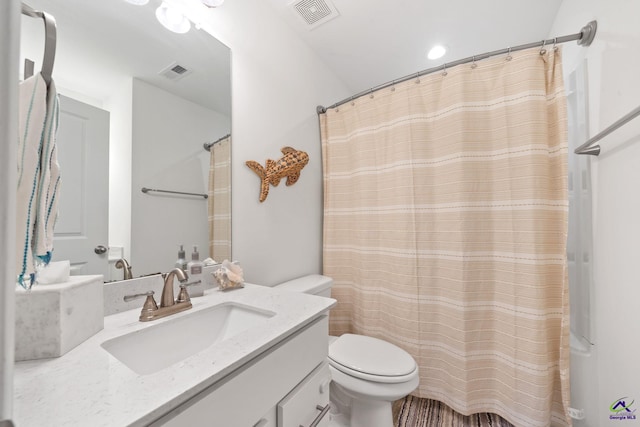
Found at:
[416, 412]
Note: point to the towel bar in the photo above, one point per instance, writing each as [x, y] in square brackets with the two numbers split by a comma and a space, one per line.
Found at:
[146, 190]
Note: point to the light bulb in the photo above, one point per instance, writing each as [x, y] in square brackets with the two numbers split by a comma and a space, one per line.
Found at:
[172, 18]
[436, 52]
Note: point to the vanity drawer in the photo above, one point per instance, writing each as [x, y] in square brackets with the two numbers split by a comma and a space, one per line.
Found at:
[308, 403]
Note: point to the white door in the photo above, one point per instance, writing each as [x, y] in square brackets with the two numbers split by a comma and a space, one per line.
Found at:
[81, 233]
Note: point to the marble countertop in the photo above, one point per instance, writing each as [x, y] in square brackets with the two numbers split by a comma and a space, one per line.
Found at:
[89, 387]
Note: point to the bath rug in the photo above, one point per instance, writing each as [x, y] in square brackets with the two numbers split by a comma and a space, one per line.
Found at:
[415, 412]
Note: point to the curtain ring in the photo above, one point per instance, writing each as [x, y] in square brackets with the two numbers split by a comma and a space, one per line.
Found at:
[371, 93]
[473, 64]
[418, 77]
[352, 103]
[444, 69]
[555, 41]
[542, 49]
[509, 57]
[393, 85]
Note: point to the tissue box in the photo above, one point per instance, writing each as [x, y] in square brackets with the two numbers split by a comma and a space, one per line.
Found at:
[53, 319]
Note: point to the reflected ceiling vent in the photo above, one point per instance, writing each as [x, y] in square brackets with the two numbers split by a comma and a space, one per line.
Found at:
[314, 12]
[175, 72]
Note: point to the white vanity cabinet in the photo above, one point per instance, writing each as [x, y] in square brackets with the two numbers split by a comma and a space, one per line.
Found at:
[282, 387]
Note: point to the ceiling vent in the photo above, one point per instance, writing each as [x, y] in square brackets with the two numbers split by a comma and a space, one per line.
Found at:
[314, 12]
[175, 72]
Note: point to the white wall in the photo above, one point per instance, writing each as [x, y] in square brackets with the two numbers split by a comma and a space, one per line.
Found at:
[168, 134]
[612, 370]
[277, 82]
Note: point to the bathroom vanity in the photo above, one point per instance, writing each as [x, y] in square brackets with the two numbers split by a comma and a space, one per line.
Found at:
[250, 357]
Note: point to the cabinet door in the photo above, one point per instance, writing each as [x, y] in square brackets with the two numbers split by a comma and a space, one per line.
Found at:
[308, 403]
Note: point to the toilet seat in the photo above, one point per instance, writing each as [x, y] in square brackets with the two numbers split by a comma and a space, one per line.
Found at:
[371, 359]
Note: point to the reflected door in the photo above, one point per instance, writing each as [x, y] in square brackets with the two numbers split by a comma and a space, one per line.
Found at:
[81, 233]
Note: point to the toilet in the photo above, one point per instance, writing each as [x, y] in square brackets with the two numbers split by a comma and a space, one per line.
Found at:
[367, 374]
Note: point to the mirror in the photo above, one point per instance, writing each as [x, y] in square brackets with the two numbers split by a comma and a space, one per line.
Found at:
[166, 95]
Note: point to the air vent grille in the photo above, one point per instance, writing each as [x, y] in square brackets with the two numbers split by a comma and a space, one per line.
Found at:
[179, 69]
[315, 12]
[175, 71]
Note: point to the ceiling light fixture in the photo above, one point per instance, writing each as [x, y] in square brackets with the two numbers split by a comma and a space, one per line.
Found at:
[436, 52]
[172, 18]
[212, 3]
[138, 2]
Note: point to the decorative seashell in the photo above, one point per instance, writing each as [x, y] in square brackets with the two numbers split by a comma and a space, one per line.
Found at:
[228, 276]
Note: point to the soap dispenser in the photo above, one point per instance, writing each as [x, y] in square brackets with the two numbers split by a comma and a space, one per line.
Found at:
[181, 262]
[194, 269]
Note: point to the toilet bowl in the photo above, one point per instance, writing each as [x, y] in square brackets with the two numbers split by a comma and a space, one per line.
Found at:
[367, 373]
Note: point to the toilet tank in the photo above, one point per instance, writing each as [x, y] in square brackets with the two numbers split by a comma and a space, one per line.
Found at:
[315, 284]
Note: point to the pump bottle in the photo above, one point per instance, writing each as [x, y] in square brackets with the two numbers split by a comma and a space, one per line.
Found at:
[194, 269]
[181, 262]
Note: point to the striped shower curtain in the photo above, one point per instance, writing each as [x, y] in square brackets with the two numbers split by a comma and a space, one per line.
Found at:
[445, 224]
[219, 201]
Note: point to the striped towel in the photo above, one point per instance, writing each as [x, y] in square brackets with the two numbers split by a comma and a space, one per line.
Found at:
[38, 177]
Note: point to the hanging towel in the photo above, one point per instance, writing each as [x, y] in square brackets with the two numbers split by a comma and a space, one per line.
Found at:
[49, 182]
[38, 177]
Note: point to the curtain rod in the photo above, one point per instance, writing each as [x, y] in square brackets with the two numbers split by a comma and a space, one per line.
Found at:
[584, 38]
[207, 145]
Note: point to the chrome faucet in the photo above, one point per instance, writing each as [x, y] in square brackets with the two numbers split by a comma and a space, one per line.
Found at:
[123, 264]
[151, 311]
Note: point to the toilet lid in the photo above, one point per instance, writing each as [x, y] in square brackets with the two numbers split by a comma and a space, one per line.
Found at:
[371, 356]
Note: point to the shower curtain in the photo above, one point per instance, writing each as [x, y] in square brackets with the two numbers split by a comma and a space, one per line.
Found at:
[219, 201]
[445, 224]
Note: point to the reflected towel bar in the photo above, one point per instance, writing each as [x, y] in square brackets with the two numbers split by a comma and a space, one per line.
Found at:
[586, 148]
[146, 190]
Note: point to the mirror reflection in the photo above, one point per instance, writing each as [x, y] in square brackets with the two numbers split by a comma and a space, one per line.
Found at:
[138, 104]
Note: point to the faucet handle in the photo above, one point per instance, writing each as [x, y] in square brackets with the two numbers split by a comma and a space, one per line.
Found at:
[183, 295]
[149, 304]
[149, 307]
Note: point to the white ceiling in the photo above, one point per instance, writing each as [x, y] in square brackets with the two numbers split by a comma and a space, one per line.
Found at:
[375, 41]
[100, 43]
[369, 43]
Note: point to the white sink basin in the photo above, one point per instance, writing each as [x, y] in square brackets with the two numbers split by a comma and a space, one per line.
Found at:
[161, 345]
